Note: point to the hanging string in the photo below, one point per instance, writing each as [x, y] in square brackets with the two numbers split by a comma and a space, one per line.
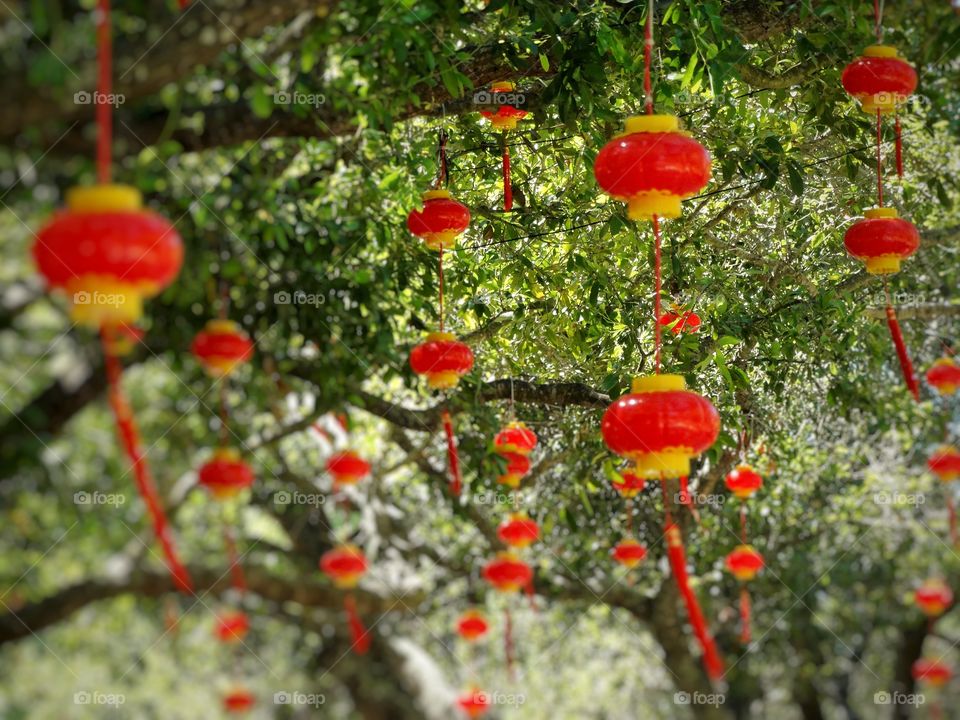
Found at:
[647, 61]
[657, 282]
[744, 615]
[906, 366]
[238, 579]
[442, 177]
[878, 20]
[508, 642]
[507, 184]
[104, 108]
[453, 455]
[952, 516]
[899, 143]
[879, 163]
[440, 283]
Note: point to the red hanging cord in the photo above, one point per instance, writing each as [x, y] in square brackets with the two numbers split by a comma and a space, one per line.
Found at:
[358, 633]
[952, 515]
[899, 145]
[647, 61]
[453, 456]
[657, 283]
[233, 557]
[508, 641]
[507, 185]
[440, 283]
[103, 107]
[879, 164]
[744, 615]
[906, 366]
[878, 25]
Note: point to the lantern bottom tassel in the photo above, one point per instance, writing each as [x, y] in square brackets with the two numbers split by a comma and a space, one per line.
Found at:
[712, 661]
[744, 616]
[359, 635]
[507, 184]
[952, 515]
[508, 641]
[456, 479]
[238, 579]
[906, 366]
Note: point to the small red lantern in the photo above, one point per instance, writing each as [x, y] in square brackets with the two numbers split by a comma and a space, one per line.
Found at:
[232, 626]
[239, 700]
[121, 339]
[743, 481]
[944, 376]
[474, 703]
[472, 625]
[440, 222]
[880, 79]
[630, 483]
[744, 562]
[933, 597]
[345, 565]
[935, 673]
[882, 240]
[347, 468]
[515, 438]
[517, 467]
[945, 463]
[628, 553]
[519, 531]
[507, 572]
[506, 116]
[652, 166]
[226, 474]
[107, 254]
[221, 347]
[443, 359]
[681, 321]
[660, 425]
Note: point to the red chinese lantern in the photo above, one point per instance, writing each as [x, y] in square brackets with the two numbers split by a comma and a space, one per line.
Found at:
[505, 117]
[442, 359]
[743, 481]
[345, 565]
[681, 321]
[474, 703]
[935, 673]
[221, 347]
[232, 626]
[107, 254]
[652, 166]
[472, 625]
[882, 240]
[629, 484]
[945, 463]
[944, 376]
[879, 79]
[440, 222]
[660, 426]
[517, 467]
[519, 531]
[123, 338]
[239, 700]
[347, 468]
[628, 553]
[507, 572]
[744, 562]
[226, 474]
[515, 438]
[933, 597]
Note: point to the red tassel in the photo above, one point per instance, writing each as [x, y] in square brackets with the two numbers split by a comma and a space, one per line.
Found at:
[130, 439]
[952, 514]
[236, 569]
[744, 616]
[358, 633]
[899, 146]
[712, 661]
[508, 641]
[456, 480]
[507, 185]
[905, 365]
[183, 3]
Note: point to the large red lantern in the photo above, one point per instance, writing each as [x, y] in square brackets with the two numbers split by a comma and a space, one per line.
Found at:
[660, 425]
[515, 438]
[882, 240]
[945, 463]
[743, 481]
[880, 79]
[472, 625]
[344, 565]
[933, 597]
[629, 484]
[474, 703]
[505, 117]
[519, 531]
[652, 166]
[628, 553]
[226, 474]
[507, 572]
[944, 376]
[221, 347]
[517, 467]
[442, 359]
[935, 673]
[107, 254]
[232, 626]
[440, 222]
[347, 468]
[744, 562]
[239, 700]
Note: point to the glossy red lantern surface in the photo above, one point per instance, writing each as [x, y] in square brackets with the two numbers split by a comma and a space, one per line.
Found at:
[507, 572]
[931, 672]
[347, 467]
[221, 347]
[472, 625]
[345, 565]
[226, 474]
[652, 166]
[945, 463]
[944, 376]
[743, 481]
[232, 626]
[517, 467]
[442, 359]
[441, 221]
[107, 253]
[515, 438]
[880, 79]
[882, 240]
[628, 553]
[474, 703]
[238, 700]
[933, 597]
[629, 484]
[505, 117]
[660, 425]
[681, 321]
[744, 562]
[519, 531]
